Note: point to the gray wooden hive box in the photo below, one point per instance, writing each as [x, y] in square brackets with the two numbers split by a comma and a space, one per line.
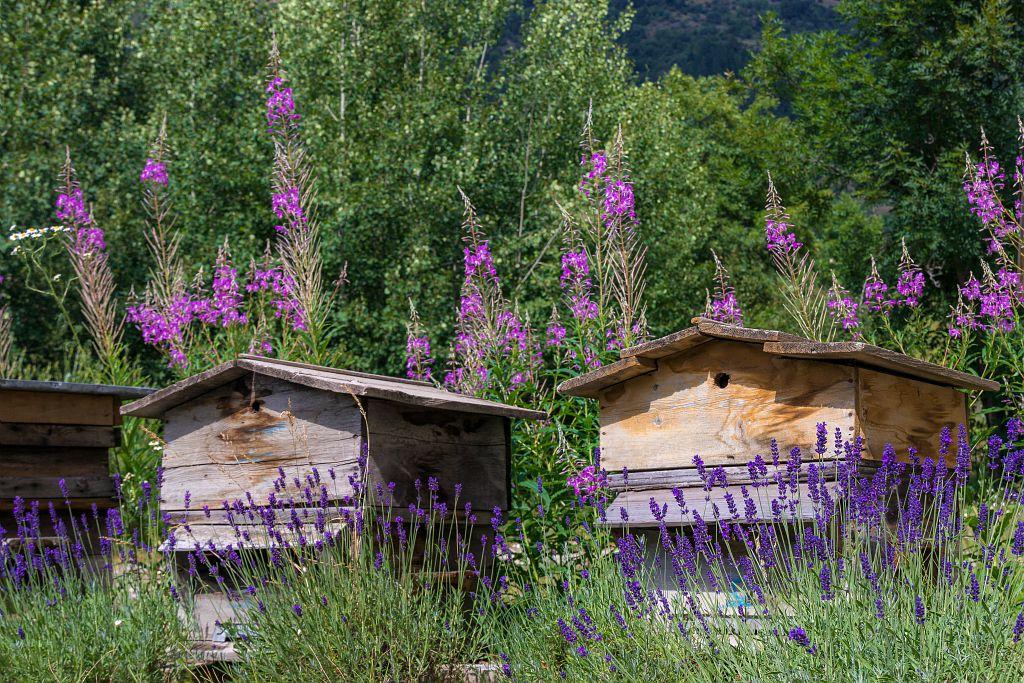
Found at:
[51, 431]
[723, 392]
[231, 430]
[228, 431]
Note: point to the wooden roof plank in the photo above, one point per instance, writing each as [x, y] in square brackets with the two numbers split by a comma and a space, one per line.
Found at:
[74, 388]
[324, 379]
[589, 384]
[772, 341]
[882, 359]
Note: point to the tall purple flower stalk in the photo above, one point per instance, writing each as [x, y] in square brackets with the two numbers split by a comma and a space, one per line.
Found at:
[87, 249]
[418, 360]
[490, 337]
[301, 298]
[722, 304]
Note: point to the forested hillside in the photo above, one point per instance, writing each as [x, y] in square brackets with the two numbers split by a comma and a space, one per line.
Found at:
[705, 37]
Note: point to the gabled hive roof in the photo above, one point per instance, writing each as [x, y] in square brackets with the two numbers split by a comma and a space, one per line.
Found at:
[347, 382]
[642, 359]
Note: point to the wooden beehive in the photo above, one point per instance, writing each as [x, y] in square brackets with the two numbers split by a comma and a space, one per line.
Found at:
[723, 392]
[232, 430]
[51, 431]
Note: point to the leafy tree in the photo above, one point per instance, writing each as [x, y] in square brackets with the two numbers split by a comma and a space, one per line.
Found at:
[891, 105]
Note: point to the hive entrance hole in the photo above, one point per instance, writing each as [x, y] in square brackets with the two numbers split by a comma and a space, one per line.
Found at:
[255, 406]
[722, 380]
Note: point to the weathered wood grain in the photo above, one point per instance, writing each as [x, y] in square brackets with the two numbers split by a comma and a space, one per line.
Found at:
[39, 407]
[233, 440]
[408, 443]
[663, 419]
[906, 412]
[72, 436]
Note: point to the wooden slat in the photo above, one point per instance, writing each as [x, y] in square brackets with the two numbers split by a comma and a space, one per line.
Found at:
[663, 419]
[51, 435]
[905, 412]
[219, 447]
[38, 407]
[676, 342]
[688, 477]
[638, 508]
[326, 379]
[78, 504]
[75, 388]
[590, 384]
[36, 488]
[17, 462]
[879, 358]
[409, 444]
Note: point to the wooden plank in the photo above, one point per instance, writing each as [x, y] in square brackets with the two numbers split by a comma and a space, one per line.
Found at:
[51, 435]
[36, 488]
[409, 443]
[591, 383]
[883, 359]
[16, 462]
[233, 439]
[670, 344]
[689, 477]
[637, 506]
[327, 379]
[75, 388]
[662, 420]
[78, 504]
[39, 407]
[906, 412]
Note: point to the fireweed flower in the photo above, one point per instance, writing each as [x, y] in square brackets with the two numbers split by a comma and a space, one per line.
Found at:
[575, 282]
[778, 230]
[723, 305]
[281, 287]
[154, 172]
[876, 292]
[910, 281]
[842, 306]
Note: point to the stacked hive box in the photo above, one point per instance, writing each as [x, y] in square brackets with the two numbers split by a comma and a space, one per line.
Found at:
[53, 431]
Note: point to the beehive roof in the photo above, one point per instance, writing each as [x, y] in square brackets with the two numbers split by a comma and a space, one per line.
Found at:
[642, 359]
[348, 382]
[74, 388]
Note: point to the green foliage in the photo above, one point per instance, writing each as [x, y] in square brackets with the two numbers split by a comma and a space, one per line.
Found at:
[119, 633]
[892, 104]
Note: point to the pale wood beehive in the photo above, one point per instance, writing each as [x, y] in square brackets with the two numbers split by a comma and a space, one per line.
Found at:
[723, 392]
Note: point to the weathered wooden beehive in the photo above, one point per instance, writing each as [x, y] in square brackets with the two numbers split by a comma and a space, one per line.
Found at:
[53, 431]
[723, 392]
[232, 430]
